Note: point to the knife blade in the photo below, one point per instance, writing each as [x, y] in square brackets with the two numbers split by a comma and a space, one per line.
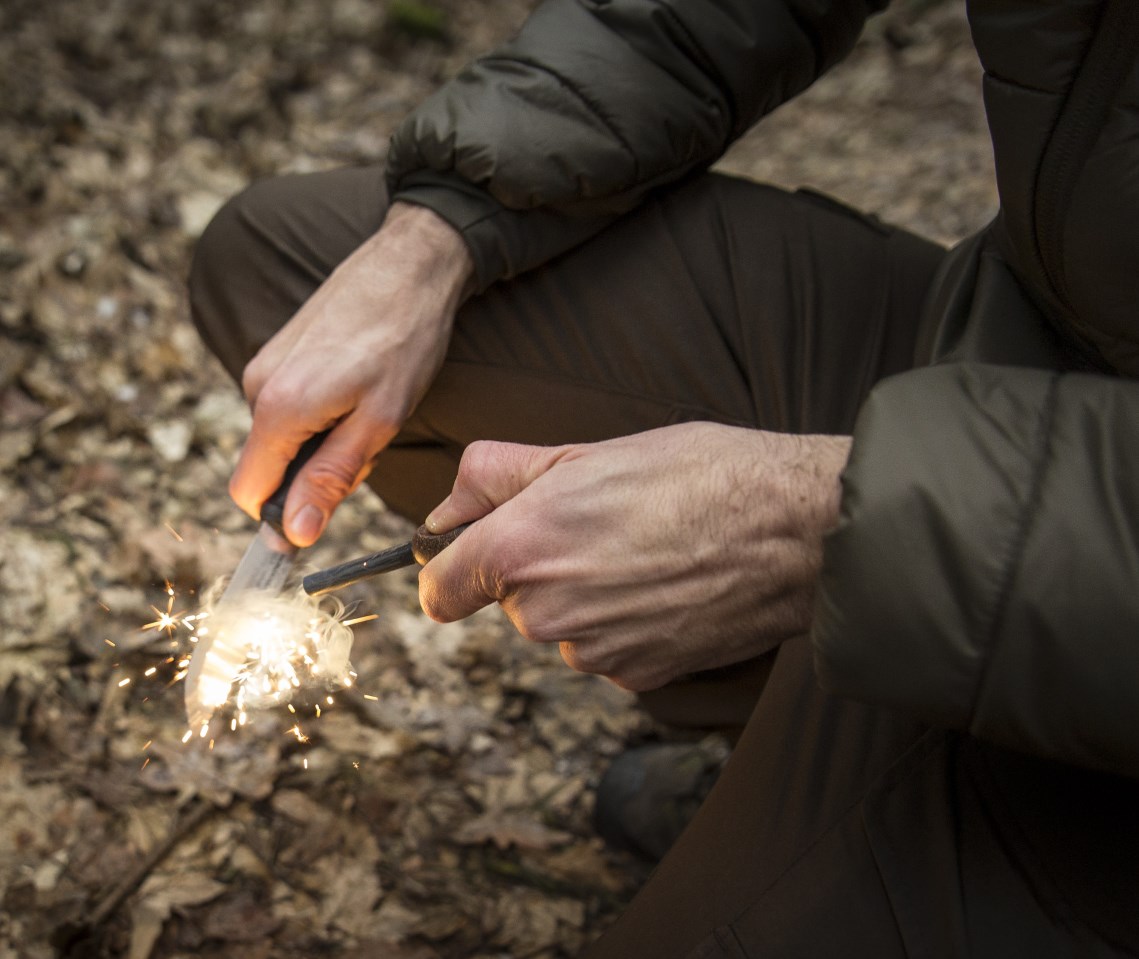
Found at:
[264, 567]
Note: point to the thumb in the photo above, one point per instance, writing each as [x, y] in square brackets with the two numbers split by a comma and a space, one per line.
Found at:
[479, 567]
[341, 463]
[490, 474]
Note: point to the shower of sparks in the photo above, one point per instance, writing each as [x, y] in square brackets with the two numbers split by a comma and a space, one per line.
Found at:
[265, 649]
[273, 648]
[259, 651]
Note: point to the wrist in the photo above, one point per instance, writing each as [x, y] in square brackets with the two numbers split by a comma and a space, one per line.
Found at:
[428, 247]
[831, 454]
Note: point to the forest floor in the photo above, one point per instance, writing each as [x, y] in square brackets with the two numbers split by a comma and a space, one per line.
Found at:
[441, 807]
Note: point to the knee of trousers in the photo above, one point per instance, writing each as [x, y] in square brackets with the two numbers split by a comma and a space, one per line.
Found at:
[222, 276]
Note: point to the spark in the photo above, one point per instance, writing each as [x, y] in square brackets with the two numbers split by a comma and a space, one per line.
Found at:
[371, 698]
[145, 763]
[109, 643]
[174, 532]
[361, 619]
[189, 733]
[124, 682]
[167, 618]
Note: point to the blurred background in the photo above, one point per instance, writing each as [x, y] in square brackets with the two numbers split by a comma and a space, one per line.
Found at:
[441, 809]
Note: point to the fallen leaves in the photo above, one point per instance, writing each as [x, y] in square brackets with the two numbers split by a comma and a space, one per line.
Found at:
[442, 807]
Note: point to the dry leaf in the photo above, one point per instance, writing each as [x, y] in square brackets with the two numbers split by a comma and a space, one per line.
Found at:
[510, 829]
[160, 896]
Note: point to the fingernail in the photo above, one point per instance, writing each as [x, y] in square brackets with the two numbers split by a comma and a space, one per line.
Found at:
[308, 524]
[435, 517]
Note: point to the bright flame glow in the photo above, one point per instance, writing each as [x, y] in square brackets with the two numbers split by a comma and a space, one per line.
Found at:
[255, 652]
[262, 649]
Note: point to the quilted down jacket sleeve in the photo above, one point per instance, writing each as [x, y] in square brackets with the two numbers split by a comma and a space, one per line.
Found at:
[536, 146]
[985, 572]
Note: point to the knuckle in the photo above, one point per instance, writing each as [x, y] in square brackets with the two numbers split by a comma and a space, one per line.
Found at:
[235, 490]
[536, 631]
[579, 657]
[633, 682]
[252, 379]
[333, 477]
[271, 398]
[477, 459]
[429, 596]
[529, 626]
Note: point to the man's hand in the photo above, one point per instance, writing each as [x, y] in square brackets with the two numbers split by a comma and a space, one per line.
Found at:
[647, 557]
[357, 357]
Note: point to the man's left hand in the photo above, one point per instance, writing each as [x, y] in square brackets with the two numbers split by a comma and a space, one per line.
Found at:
[646, 557]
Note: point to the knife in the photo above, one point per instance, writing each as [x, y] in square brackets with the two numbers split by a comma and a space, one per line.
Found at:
[424, 546]
[265, 567]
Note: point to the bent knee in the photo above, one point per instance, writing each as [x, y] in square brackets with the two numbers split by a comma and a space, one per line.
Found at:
[230, 244]
[238, 292]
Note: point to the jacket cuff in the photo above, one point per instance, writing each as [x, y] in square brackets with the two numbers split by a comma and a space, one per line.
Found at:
[503, 243]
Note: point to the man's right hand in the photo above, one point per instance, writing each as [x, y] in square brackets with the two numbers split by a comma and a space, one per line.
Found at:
[356, 358]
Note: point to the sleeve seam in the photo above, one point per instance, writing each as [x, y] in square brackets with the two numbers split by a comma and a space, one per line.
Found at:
[1019, 543]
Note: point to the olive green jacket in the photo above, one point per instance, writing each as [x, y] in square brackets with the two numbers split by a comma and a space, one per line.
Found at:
[985, 573]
